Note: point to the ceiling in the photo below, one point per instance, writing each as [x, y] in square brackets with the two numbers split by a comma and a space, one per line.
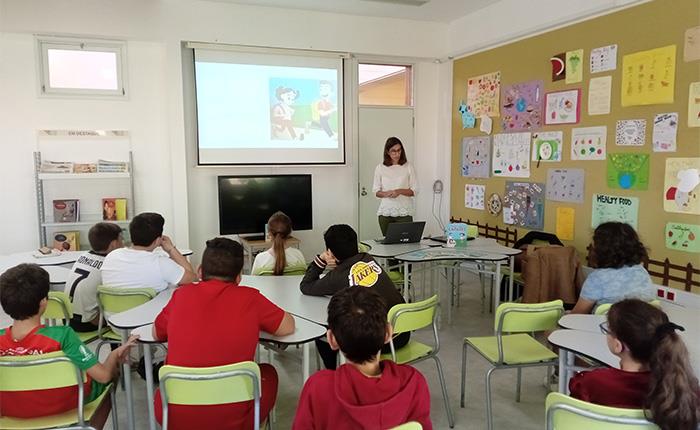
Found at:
[433, 10]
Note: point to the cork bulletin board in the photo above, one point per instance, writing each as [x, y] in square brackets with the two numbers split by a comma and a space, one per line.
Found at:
[614, 152]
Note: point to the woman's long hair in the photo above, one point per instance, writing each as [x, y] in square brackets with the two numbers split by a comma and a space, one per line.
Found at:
[393, 141]
[673, 398]
[280, 227]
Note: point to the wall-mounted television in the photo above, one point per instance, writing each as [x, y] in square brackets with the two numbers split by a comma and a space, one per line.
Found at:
[246, 202]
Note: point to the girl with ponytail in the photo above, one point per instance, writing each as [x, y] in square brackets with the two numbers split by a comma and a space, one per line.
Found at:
[275, 260]
[654, 374]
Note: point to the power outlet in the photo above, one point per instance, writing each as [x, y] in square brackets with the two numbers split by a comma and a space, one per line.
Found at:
[437, 187]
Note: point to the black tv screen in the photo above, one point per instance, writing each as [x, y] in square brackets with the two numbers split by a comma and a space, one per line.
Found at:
[246, 202]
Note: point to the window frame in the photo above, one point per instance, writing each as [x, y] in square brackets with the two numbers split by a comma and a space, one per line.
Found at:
[410, 68]
[44, 43]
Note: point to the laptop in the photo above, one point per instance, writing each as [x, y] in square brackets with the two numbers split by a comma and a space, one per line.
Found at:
[403, 232]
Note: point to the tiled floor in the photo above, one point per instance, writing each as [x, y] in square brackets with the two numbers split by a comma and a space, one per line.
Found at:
[468, 320]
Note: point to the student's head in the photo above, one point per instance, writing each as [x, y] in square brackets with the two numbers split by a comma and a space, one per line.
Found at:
[222, 259]
[24, 291]
[286, 95]
[146, 228]
[341, 240]
[644, 333]
[394, 152]
[357, 323]
[279, 227]
[105, 237]
[615, 245]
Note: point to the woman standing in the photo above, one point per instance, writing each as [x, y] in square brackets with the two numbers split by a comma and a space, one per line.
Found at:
[395, 184]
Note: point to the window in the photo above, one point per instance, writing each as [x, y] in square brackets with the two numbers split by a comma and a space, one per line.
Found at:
[82, 67]
[385, 85]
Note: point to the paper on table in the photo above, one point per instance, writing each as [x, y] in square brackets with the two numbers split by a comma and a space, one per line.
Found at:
[574, 66]
[599, 95]
[565, 223]
[664, 135]
[683, 237]
[648, 77]
[604, 59]
[614, 208]
[694, 105]
[630, 132]
[486, 124]
[691, 48]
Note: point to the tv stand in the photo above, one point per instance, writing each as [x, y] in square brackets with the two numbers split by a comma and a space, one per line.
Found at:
[254, 238]
[252, 247]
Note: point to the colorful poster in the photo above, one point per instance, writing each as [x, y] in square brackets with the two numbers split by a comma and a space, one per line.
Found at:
[694, 105]
[628, 171]
[522, 106]
[468, 119]
[565, 223]
[631, 132]
[604, 59]
[648, 77]
[691, 47]
[681, 190]
[588, 143]
[511, 155]
[476, 157]
[547, 145]
[683, 237]
[574, 66]
[565, 185]
[486, 124]
[474, 196]
[482, 94]
[614, 208]
[665, 130]
[599, 90]
[562, 107]
[558, 62]
[526, 203]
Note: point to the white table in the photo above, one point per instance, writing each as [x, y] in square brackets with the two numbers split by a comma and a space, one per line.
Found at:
[380, 250]
[284, 292]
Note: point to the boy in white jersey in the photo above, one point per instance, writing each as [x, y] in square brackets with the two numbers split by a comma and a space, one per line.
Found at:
[85, 276]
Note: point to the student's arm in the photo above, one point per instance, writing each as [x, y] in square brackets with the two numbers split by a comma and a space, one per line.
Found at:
[272, 319]
[591, 293]
[189, 276]
[583, 306]
[377, 184]
[287, 325]
[109, 370]
[313, 285]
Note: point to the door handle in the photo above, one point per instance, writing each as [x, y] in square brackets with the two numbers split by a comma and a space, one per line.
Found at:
[363, 192]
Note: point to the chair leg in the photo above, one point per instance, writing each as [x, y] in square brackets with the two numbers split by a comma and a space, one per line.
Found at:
[113, 400]
[464, 375]
[441, 375]
[518, 384]
[489, 413]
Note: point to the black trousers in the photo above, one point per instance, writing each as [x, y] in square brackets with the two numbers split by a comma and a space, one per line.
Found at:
[330, 357]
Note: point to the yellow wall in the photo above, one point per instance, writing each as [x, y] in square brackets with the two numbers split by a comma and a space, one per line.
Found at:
[390, 91]
[651, 25]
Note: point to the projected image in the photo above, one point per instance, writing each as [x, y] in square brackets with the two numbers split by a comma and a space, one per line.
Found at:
[303, 110]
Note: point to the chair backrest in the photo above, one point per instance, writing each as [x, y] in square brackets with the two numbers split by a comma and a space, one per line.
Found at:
[217, 385]
[412, 425]
[605, 307]
[288, 271]
[58, 307]
[113, 300]
[42, 372]
[567, 413]
[413, 316]
[361, 247]
[527, 317]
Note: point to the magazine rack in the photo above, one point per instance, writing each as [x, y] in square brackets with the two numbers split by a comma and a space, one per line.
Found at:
[81, 146]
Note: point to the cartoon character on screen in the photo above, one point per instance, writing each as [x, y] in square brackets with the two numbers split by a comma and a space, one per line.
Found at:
[322, 108]
[282, 112]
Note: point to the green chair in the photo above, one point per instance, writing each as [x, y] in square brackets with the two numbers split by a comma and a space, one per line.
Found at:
[567, 413]
[59, 307]
[43, 372]
[605, 307]
[517, 350]
[111, 300]
[409, 317]
[412, 425]
[288, 271]
[217, 385]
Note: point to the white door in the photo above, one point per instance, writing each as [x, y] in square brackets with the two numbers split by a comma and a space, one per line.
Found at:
[376, 124]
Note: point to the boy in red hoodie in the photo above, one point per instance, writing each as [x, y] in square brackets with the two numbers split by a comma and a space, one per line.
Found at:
[364, 393]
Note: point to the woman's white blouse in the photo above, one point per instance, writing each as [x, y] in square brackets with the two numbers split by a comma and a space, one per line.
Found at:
[391, 178]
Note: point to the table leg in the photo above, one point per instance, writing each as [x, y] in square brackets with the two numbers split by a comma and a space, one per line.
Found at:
[305, 361]
[562, 370]
[405, 281]
[497, 287]
[126, 370]
[511, 266]
[570, 358]
[148, 364]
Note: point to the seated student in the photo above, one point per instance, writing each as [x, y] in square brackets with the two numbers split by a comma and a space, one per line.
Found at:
[217, 322]
[140, 267]
[85, 276]
[617, 255]
[278, 257]
[654, 374]
[24, 291]
[364, 393]
[352, 268]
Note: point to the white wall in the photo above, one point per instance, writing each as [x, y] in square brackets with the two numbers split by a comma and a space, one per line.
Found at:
[155, 112]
